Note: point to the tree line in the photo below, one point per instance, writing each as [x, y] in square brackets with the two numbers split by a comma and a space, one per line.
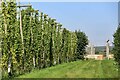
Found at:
[116, 49]
[36, 42]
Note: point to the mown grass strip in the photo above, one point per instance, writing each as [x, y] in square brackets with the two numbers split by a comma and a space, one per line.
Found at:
[77, 69]
[99, 70]
[55, 71]
[87, 71]
[109, 69]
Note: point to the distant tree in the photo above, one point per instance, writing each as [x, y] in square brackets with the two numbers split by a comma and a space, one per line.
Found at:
[116, 48]
[82, 41]
[97, 52]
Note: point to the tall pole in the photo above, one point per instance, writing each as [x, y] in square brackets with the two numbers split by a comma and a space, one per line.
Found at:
[21, 30]
[107, 49]
[91, 49]
[21, 33]
[34, 58]
[0, 47]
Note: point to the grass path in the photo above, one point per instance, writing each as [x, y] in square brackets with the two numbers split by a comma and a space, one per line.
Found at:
[77, 69]
[99, 70]
[109, 68]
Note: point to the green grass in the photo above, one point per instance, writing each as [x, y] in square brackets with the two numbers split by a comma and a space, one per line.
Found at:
[77, 69]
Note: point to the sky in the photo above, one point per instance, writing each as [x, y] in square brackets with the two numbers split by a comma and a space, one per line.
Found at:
[119, 12]
[98, 20]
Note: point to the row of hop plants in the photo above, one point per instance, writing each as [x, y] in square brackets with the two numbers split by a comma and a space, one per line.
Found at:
[36, 42]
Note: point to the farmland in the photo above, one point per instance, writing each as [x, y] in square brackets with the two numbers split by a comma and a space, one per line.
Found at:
[34, 40]
[35, 45]
[77, 69]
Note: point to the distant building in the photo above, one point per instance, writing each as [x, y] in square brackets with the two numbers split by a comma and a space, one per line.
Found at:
[98, 56]
[90, 49]
[90, 53]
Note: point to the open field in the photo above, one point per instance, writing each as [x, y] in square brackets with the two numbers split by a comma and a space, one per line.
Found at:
[77, 69]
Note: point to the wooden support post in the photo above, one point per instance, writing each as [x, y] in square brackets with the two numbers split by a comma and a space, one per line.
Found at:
[0, 47]
[21, 30]
[34, 58]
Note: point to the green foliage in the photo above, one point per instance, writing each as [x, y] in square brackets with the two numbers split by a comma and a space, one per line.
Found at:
[101, 49]
[10, 36]
[81, 44]
[38, 42]
[116, 49]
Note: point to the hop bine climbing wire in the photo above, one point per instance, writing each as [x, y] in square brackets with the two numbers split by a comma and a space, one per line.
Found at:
[32, 40]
